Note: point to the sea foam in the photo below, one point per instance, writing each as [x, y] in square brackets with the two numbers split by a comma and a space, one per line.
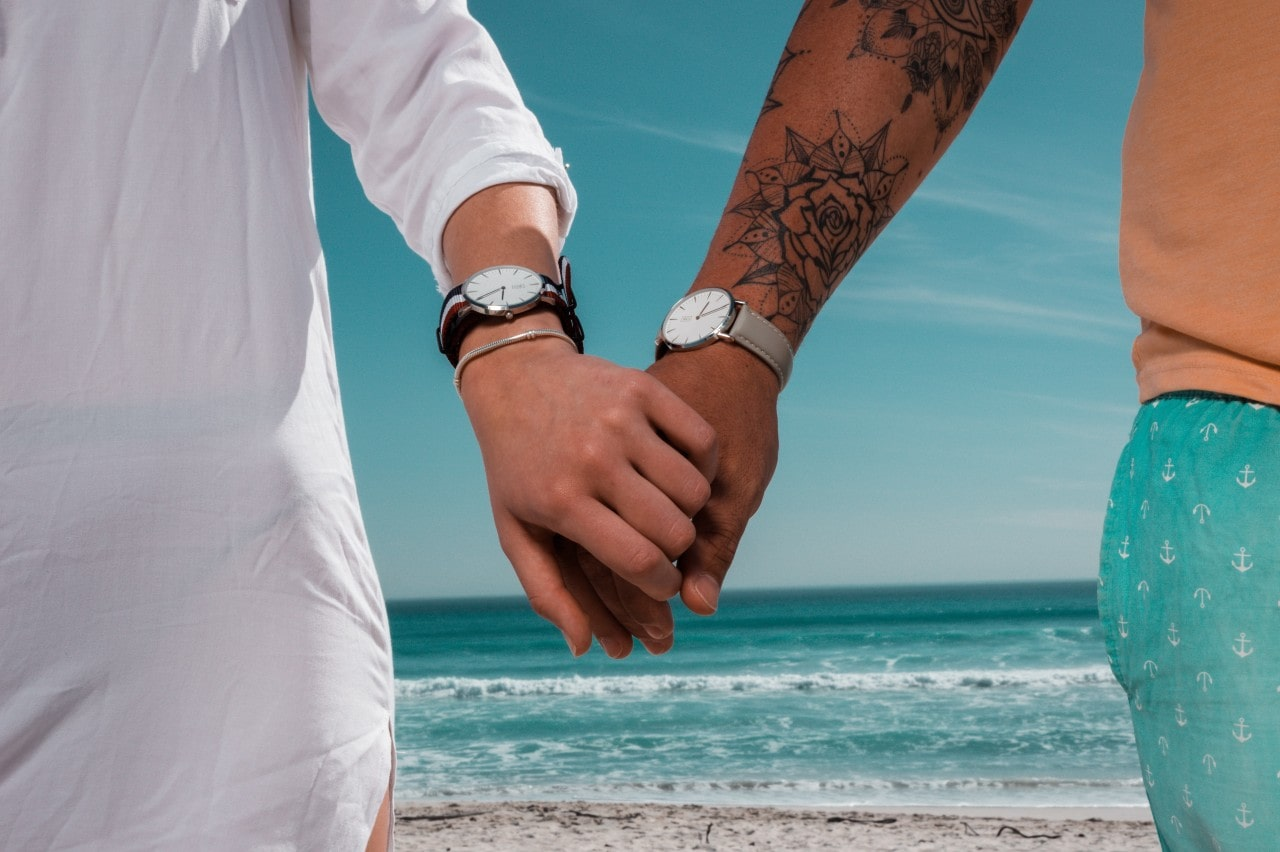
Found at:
[1037, 680]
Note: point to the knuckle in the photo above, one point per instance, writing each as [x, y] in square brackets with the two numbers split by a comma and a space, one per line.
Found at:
[644, 565]
[720, 543]
[638, 561]
[614, 420]
[725, 548]
[593, 452]
[556, 501]
[633, 385]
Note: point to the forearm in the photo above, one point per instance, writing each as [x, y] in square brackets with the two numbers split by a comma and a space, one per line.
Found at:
[511, 223]
[866, 98]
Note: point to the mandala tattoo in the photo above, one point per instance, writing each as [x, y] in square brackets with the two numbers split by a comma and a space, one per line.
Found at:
[809, 218]
[947, 48]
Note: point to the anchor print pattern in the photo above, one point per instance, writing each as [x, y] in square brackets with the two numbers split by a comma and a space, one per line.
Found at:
[1189, 595]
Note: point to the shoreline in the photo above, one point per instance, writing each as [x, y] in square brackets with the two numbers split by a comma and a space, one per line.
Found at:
[498, 826]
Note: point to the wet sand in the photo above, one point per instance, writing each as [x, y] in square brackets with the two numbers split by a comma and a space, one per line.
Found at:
[572, 826]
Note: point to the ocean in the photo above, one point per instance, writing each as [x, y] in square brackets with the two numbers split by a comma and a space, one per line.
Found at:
[957, 696]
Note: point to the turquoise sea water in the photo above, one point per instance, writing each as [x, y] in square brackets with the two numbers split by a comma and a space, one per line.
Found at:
[977, 695]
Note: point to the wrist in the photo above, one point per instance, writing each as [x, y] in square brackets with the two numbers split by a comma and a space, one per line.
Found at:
[503, 293]
[489, 329]
[724, 364]
[714, 318]
[496, 353]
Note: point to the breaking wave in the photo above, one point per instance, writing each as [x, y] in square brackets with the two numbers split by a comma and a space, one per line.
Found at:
[1037, 680]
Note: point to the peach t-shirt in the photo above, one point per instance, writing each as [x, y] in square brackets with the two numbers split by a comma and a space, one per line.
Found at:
[1199, 248]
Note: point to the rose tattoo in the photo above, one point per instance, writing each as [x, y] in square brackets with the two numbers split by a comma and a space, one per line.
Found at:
[810, 217]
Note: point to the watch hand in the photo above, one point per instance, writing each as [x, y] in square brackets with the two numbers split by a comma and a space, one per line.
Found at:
[483, 296]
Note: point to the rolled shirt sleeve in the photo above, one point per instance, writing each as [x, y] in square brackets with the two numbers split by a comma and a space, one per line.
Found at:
[420, 92]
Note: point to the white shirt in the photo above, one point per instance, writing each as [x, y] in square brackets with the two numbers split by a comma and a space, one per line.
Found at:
[193, 646]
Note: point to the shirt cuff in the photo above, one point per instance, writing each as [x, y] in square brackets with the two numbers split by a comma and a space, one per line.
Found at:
[490, 165]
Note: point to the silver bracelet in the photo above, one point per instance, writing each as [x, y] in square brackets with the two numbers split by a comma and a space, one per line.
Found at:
[506, 341]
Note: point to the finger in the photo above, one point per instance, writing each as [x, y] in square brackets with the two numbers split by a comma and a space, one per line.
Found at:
[614, 637]
[622, 548]
[648, 620]
[676, 476]
[649, 511]
[705, 564]
[684, 429]
[539, 575]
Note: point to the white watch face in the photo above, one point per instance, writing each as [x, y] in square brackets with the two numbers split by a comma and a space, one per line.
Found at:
[695, 319]
[502, 288]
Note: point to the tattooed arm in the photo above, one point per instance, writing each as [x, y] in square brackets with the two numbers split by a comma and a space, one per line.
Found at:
[867, 96]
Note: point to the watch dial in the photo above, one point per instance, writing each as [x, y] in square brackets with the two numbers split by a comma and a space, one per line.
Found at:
[503, 287]
[697, 317]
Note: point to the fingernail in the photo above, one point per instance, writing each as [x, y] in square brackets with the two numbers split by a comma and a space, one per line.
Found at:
[657, 631]
[610, 646]
[706, 588]
[569, 642]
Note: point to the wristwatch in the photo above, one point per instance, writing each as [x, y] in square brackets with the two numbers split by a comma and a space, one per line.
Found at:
[504, 292]
[705, 316]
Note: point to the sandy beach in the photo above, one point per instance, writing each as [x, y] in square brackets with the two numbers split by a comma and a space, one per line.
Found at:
[537, 826]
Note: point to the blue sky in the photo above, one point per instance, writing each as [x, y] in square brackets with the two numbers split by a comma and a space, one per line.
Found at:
[955, 414]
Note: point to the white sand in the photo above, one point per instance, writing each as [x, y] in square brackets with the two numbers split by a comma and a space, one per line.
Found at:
[573, 826]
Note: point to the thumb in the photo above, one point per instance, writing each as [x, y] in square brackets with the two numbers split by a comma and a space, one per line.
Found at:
[705, 564]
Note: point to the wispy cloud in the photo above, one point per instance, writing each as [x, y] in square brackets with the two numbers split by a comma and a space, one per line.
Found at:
[929, 303]
[1087, 209]
[722, 141]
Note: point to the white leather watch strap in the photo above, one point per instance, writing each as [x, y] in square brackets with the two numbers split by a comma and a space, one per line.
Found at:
[763, 338]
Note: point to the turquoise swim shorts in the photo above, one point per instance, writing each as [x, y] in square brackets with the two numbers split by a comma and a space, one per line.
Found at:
[1189, 595]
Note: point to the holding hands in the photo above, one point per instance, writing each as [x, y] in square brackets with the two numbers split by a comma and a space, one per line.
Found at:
[601, 478]
[603, 456]
[740, 405]
[575, 449]
[613, 490]
[816, 186]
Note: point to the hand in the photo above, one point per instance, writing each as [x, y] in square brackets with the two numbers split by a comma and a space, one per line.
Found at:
[737, 394]
[604, 456]
[616, 609]
[744, 413]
